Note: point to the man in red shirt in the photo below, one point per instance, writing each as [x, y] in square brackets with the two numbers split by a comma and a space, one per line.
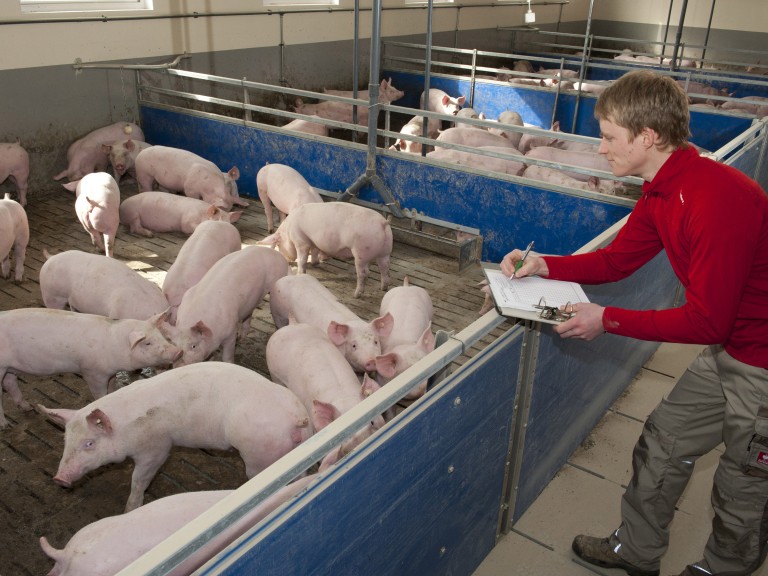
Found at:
[712, 220]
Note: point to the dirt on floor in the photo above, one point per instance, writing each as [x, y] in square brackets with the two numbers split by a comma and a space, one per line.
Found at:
[31, 505]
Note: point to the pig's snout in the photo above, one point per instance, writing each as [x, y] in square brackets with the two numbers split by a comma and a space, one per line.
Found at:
[370, 365]
[120, 169]
[61, 481]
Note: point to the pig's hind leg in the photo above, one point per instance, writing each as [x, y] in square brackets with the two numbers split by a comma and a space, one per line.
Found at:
[11, 385]
[361, 268]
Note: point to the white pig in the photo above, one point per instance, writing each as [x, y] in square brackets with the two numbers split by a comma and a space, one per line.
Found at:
[108, 545]
[583, 159]
[342, 112]
[339, 230]
[491, 163]
[122, 155]
[473, 138]
[555, 176]
[415, 127]
[208, 244]
[307, 127]
[323, 380]
[306, 300]
[411, 337]
[441, 102]
[284, 187]
[14, 164]
[510, 118]
[218, 308]
[179, 170]
[148, 212]
[85, 154]
[14, 237]
[94, 284]
[97, 205]
[213, 405]
[41, 342]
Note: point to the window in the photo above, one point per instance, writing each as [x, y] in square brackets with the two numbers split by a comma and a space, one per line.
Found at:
[32, 6]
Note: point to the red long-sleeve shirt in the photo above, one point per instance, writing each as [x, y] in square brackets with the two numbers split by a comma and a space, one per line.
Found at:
[713, 222]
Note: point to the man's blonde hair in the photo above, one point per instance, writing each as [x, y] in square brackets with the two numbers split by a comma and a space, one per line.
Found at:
[646, 99]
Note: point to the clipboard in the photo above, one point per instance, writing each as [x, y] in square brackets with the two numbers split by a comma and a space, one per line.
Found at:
[533, 297]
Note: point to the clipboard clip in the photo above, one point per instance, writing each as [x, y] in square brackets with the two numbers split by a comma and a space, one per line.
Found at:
[553, 312]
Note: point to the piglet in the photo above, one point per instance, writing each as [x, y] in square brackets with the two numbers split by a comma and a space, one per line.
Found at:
[122, 155]
[208, 244]
[341, 111]
[474, 138]
[305, 299]
[85, 154]
[178, 170]
[284, 187]
[339, 230]
[583, 159]
[218, 308]
[561, 178]
[14, 237]
[441, 102]
[492, 163]
[510, 118]
[323, 380]
[307, 127]
[213, 405]
[97, 205]
[14, 164]
[411, 337]
[110, 544]
[415, 127]
[149, 212]
[94, 284]
[41, 342]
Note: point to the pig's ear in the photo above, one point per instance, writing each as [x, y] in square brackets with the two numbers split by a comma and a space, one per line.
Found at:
[383, 85]
[211, 212]
[234, 217]
[461, 100]
[593, 183]
[337, 333]
[234, 173]
[71, 186]
[383, 324]
[99, 421]
[369, 385]
[446, 99]
[323, 414]
[135, 337]
[202, 329]
[162, 318]
[385, 365]
[60, 416]
[427, 340]
[130, 144]
[106, 148]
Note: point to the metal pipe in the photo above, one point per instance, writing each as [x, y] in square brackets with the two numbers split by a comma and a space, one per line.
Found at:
[666, 28]
[354, 65]
[427, 67]
[585, 57]
[679, 35]
[706, 37]
[282, 79]
[78, 65]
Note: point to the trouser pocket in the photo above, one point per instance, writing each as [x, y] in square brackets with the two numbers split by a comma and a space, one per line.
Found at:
[757, 451]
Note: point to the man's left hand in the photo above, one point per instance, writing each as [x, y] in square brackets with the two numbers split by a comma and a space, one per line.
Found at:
[585, 324]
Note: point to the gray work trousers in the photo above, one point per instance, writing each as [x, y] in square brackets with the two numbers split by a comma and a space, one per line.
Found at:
[718, 399]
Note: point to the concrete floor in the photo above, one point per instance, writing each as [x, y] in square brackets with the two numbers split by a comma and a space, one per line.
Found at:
[585, 495]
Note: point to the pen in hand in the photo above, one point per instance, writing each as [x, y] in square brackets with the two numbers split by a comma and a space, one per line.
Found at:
[519, 263]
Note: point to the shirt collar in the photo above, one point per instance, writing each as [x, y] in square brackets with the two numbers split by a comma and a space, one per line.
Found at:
[676, 163]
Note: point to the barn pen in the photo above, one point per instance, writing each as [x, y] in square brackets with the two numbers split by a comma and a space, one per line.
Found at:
[431, 492]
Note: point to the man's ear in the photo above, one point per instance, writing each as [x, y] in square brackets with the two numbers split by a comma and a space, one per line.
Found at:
[649, 137]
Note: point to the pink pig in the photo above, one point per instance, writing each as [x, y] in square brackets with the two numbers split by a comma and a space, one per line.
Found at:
[213, 405]
[148, 212]
[109, 545]
[284, 187]
[343, 112]
[97, 205]
[208, 244]
[94, 284]
[339, 230]
[307, 127]
[14, 237]
[42, 342]
[179, 170]
[473, 138]
[85, 155]
[14, 164]
[306, 300]
[503, 165]
[440, 101]
[218, 308]
[122, 155]
[411, 337]
[323, 380]
[555, 176]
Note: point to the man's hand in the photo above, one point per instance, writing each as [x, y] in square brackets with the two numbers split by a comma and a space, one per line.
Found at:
[585, 324]
[533, 265]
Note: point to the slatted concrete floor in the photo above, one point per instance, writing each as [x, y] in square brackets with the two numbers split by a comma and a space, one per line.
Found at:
[31, 505]
[584, 497]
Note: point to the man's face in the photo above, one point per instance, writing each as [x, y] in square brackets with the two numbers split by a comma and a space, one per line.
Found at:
[626, 155]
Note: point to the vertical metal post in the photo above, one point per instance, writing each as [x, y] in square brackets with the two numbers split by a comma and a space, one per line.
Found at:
[678, 36]
[355, 66]
[706, 38]
[583, 68]
[427, 68]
